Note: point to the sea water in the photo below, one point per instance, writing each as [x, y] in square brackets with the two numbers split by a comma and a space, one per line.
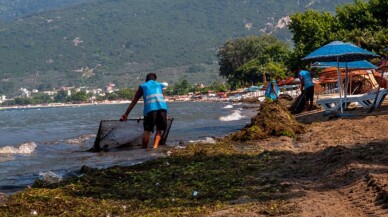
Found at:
[51, 143]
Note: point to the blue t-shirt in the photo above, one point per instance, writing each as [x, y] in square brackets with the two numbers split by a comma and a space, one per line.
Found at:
[153, 96]
[307, 79]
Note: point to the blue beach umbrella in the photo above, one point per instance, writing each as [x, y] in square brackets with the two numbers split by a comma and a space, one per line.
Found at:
[362, 64]
[338, 51]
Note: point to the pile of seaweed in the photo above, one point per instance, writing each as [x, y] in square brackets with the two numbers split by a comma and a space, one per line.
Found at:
[272, 120]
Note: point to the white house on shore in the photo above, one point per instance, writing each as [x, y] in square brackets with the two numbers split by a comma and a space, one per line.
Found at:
[25, 92]
[3, 98]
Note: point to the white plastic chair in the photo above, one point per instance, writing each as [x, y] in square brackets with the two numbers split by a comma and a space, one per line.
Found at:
[364, 100]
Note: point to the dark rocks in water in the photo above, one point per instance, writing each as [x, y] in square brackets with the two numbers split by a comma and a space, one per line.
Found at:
[272, 120]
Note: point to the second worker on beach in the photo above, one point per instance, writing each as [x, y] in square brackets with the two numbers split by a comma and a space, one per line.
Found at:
[155, 109]
[307, 85]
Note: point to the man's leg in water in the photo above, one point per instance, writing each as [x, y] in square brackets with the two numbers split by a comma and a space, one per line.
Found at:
[158, 136]
[146, 138]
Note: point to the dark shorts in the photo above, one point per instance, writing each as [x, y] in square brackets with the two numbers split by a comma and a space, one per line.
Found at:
[309, 93]
[155, 118]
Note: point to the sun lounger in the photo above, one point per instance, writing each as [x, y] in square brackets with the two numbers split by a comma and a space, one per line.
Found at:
[363, 100]
[382, 94]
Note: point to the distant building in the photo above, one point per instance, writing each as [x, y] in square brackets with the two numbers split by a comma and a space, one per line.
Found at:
[3, 98]
[25, 92]
[50, 93]
[97, 92]
[67, 89]
[110, 87]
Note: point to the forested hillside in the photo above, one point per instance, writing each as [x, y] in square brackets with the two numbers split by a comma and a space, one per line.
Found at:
[13, 9]
[121, 40]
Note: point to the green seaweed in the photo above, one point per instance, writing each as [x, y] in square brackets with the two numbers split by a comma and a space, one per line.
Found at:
[195, 181]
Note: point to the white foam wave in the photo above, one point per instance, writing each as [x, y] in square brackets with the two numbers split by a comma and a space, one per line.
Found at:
[228, 107]
[80, 140]
[207, 140]
[26, 148]
[236, 115]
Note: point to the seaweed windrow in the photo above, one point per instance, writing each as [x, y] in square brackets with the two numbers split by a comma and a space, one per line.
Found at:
[272, 120]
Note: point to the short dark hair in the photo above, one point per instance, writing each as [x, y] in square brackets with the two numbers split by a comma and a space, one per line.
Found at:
[151, 76]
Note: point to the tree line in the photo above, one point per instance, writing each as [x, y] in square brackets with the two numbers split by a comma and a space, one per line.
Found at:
[255, 59]
[182, 87]
[117, 40]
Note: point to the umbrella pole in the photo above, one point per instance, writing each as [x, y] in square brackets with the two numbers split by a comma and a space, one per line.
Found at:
[346, 85]
[339, 85]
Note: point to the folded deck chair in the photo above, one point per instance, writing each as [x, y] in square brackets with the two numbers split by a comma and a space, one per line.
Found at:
[364, 100]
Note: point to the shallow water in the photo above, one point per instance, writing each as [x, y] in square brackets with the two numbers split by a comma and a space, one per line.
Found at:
[51, 142]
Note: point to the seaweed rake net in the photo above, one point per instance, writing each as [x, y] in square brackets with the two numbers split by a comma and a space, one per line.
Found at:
[116, 134]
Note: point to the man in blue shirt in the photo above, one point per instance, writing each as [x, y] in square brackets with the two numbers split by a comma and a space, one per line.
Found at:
[155, 109]
[307, 85]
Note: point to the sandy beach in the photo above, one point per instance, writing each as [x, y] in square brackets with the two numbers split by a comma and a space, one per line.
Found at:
[339, 167]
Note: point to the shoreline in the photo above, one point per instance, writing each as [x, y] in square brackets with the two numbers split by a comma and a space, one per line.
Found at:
[60, 105]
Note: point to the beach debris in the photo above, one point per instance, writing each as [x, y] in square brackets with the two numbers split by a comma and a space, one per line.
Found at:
[33, 212]
[195, 193]
[272, 120]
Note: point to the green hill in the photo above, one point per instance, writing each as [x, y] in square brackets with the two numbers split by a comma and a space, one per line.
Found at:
[13, 9]
[121, 40]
